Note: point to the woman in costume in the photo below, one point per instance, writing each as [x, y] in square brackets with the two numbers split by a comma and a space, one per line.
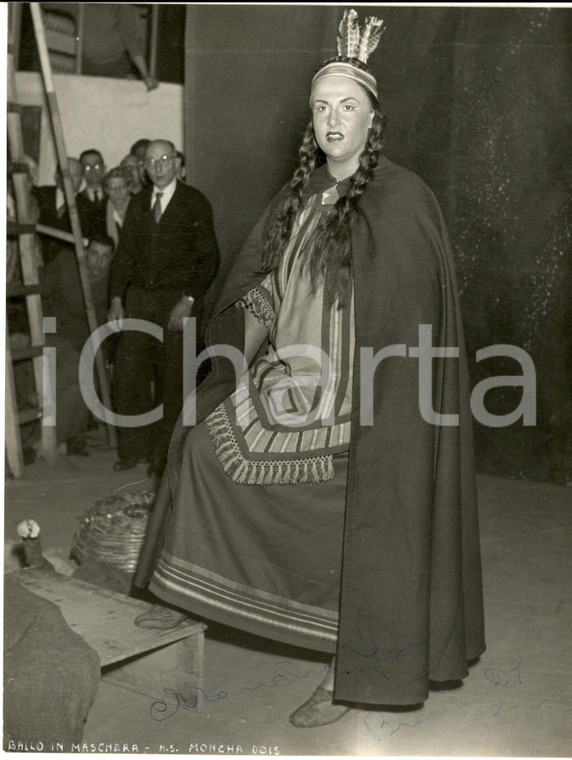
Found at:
[317, 502]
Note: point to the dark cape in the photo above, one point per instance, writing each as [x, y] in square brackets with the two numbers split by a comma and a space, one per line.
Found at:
[411, 607]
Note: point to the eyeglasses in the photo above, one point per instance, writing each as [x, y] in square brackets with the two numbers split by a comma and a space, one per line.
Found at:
[151, 163]
[91, 167]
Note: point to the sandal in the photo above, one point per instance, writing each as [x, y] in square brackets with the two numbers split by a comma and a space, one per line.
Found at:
[160, 617]
[319, 710]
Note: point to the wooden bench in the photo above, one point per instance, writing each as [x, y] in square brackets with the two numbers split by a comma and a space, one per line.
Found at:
[144, 660]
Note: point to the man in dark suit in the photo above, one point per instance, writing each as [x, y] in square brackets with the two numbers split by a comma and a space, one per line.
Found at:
[92, 201]
[166, 259]
[53, 210]
[62, 298]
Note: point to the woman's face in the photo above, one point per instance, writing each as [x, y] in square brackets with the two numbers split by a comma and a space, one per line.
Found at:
[342, 116]
[118, 191]
[132, 164]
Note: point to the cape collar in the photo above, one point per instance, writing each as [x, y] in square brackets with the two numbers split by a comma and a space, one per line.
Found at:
[322, 180]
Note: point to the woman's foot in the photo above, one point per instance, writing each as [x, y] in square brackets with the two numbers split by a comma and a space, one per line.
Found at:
[319, 710]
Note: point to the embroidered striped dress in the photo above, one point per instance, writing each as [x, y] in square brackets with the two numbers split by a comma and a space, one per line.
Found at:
[255, 539]
[291, 413]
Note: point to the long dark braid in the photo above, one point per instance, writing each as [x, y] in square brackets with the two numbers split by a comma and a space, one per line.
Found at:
[329, 255]
[281, 222]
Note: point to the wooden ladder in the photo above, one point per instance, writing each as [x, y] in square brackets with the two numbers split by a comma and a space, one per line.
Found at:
[61, 152]
[23, 230]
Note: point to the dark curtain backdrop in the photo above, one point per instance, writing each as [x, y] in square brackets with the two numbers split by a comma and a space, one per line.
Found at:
[479, 104]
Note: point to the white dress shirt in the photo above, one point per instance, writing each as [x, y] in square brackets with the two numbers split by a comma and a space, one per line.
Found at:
[167, 191]
[95, 194]
[60, 199]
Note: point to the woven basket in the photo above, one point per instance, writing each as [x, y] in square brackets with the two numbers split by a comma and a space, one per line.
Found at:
[113, 530]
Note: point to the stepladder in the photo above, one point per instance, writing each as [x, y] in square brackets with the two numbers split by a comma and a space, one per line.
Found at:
[23, 271]
[22, 284]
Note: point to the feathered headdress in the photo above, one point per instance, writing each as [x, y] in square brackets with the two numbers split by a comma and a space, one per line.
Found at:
[356, 45]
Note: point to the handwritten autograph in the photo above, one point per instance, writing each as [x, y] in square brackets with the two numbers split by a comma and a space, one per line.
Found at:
[289, 673]
[376, 724]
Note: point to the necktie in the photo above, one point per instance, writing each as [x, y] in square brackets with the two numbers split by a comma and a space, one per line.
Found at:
[157, 211]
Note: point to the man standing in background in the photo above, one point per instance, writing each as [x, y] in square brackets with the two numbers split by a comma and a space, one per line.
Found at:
[92, 201]
[62, 298]
[166, 259]
[52, 207]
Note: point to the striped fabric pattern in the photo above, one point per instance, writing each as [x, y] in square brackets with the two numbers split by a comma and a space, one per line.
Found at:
[292, 411]
[243, 602]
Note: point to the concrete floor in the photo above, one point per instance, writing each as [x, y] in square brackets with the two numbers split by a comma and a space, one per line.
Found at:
[516, 701]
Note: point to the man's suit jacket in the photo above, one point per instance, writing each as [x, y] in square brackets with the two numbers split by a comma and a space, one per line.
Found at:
[92, 215]
[46, 197]
[178, 254]
[48, 215]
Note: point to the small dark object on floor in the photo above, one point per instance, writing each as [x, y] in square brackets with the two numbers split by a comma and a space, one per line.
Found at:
[29, 531]
[77, 447]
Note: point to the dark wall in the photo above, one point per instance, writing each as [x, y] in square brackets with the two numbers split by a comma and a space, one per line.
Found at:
[171, 43]
[247, 77]
[478, 103]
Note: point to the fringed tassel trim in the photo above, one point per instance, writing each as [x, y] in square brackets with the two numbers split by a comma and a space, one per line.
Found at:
[249, 473]
[257, 304]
